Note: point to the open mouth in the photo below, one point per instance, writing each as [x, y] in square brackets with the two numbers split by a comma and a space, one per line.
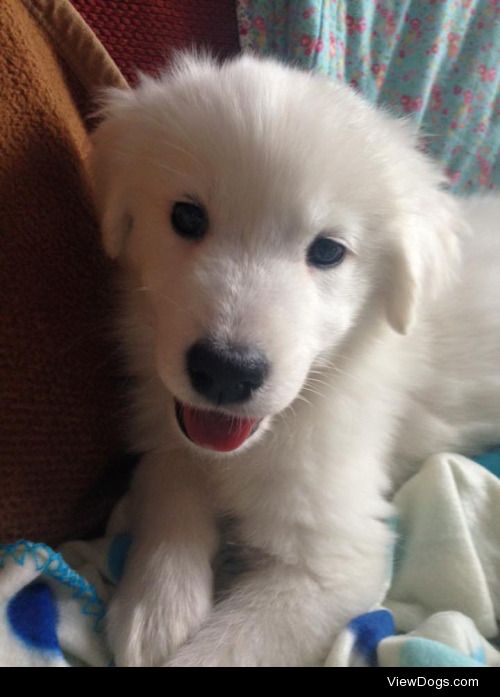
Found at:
[212, 429]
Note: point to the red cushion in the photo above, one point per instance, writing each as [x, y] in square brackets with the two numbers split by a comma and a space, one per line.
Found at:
[141, 34]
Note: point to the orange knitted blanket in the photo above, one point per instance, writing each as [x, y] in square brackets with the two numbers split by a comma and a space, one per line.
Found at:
[58, 383]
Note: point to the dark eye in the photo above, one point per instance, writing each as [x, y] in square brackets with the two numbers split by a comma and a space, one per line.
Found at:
[325, 252]
[189, 220]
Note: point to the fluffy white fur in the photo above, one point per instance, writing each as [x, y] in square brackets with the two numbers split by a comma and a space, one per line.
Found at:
[376, 363]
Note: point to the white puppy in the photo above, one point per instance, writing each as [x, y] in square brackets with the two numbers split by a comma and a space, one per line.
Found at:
[302, 332]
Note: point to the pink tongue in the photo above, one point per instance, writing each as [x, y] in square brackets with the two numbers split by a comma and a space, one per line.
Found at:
[211, 429]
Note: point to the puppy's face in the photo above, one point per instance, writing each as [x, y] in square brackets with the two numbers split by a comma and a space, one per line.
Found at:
[264, 214]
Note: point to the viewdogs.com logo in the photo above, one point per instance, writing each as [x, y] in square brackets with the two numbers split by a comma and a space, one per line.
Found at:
[437, 683]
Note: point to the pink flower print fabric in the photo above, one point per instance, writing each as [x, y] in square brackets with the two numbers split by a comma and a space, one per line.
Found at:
[436, 61]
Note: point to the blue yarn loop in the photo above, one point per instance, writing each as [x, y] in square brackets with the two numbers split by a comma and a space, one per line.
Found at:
[52, 565]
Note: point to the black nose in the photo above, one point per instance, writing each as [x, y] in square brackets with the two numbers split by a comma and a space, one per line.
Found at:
[225, 374]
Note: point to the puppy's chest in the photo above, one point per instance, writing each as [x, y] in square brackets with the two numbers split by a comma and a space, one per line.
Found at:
[271, 511]
[240, 495]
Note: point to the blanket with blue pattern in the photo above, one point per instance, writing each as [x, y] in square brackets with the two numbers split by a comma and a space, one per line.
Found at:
[440, 607]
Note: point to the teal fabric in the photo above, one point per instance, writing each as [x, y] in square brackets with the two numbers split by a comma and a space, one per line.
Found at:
[418, 652]
[490, 460]
[436, 61]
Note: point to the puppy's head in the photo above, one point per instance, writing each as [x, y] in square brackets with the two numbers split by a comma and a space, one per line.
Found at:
[266, 214]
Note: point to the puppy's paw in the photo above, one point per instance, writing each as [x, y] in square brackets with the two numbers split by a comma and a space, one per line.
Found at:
[148, 623]
[202, 655]
[231, 643]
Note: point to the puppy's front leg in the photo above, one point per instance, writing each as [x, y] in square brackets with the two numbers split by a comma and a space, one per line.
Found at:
[284, 615]
[166, 591]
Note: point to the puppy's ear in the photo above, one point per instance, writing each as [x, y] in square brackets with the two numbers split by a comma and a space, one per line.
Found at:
[109, 166]
[424, 256]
